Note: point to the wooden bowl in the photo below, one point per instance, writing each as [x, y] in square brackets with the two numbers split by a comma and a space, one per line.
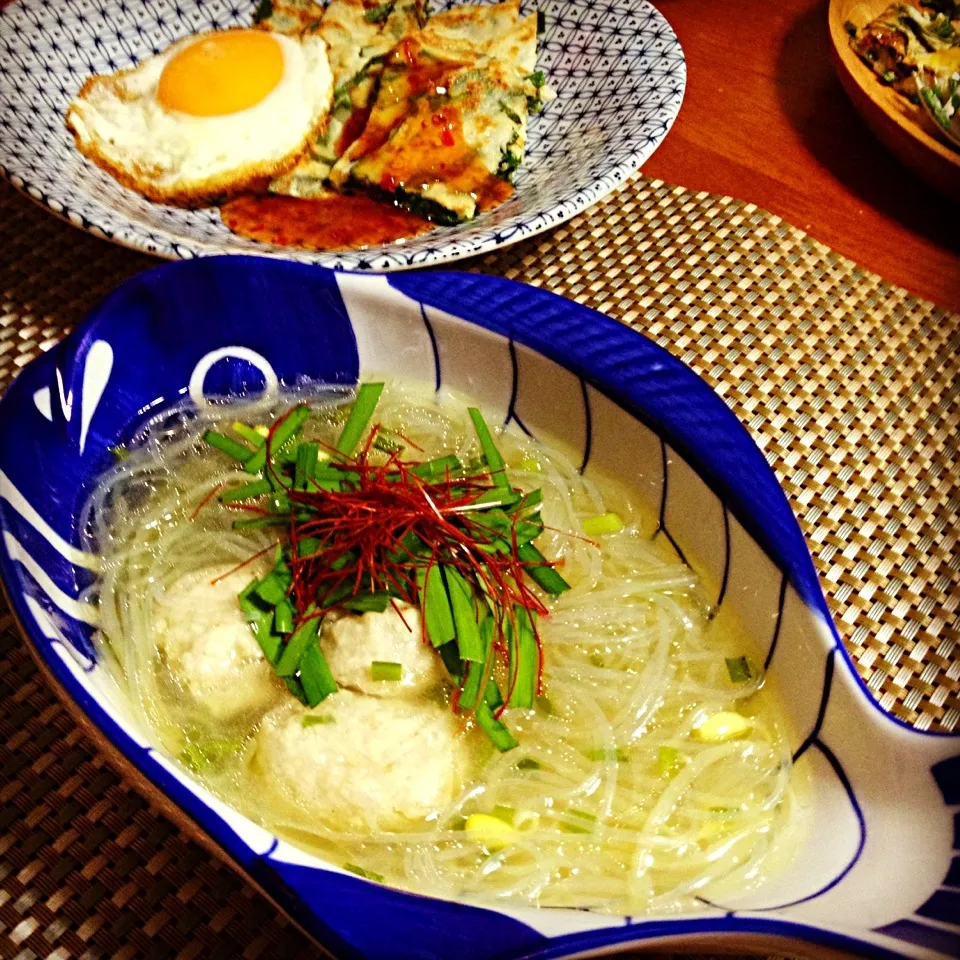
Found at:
[899, 124]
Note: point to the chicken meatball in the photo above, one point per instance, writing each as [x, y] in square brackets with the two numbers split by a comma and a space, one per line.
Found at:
[351, 642]
[210, 649]
[364, 764]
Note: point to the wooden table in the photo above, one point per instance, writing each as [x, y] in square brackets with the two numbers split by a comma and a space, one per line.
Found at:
[765, 119]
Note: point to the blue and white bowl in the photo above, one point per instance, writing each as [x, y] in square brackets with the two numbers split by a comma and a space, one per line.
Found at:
[879, 873]
[617, 69]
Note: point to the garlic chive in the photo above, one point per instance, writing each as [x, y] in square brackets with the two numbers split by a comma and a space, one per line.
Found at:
[229, 446]
[490, 452]
[250, 434]
[363, 406]
[315, 675]
[245, 492]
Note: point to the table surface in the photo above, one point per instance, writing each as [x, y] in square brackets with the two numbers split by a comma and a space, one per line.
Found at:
[765, 119]
[850, 387]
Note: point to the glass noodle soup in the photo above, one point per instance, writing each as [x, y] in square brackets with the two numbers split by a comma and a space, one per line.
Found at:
[639, 760]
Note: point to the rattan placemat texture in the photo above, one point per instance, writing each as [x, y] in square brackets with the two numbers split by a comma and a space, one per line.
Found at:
[850, 386]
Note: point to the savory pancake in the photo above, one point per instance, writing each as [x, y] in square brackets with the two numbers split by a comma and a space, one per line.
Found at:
[358, 34]
[448, 128]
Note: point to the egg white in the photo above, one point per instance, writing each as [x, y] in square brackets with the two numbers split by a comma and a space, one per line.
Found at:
[174, 157]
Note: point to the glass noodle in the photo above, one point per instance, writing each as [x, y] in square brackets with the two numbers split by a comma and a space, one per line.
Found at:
[611, 800]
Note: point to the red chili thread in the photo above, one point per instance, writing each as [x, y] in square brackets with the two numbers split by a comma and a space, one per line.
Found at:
[206, 500]
[362, 532]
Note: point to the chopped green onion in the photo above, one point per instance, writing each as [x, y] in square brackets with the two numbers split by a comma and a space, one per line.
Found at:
[528, 763]
[260, 619]
[279, 503]
[500, 736]
[245, 492]
[463, 606]
[366, 874]
[386, 671]
[668, 762]
[250, 434]
[436, 605]
[285, 431]
[283, 616]
[530, 501]
[492, 696]
[308, 546]
[296, 688]
[300, 640]
[312, 720]
[604, 523]
[385, 443]
[739, 669]
[229, 446]
[273, 587]
[120, 453]
[306, 464]
[491, 454]
[375, 602]
[525, 660]
[476, 671]
[438, 468]
[530, 465]
[889, 76]
[540, 571]
[363, 406]
[318, 682]
[451, 660]
[500, 497]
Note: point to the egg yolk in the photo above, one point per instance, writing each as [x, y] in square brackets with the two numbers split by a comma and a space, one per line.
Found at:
[223, 73]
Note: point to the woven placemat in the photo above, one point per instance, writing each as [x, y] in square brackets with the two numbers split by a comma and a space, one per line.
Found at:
[850, 386]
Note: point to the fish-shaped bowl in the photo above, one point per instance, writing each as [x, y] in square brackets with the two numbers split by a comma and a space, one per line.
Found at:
[879, 871]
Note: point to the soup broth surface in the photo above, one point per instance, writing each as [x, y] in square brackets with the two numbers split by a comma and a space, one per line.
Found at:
[653, 769]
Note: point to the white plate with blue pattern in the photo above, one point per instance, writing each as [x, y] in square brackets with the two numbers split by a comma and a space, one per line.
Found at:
[617, 69]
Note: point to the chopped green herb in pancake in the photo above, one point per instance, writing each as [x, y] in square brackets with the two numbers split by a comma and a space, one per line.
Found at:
[449, 123]
[359, 34]
[291, 17]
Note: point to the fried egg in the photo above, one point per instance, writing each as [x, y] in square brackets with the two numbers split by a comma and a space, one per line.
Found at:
[214, 114]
